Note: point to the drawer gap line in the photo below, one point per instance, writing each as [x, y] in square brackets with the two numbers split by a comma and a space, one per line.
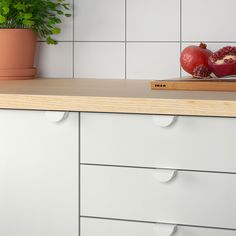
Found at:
[153, 168]
[152, 222]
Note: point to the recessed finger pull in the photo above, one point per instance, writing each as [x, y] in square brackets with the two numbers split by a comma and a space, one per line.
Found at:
[164, 176]
[56, 116]
[164, 229]
[164, 121]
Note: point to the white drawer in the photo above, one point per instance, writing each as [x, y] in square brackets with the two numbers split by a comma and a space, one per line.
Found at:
[192, 198]
[100, 227]
[195, 143]
[38, 174]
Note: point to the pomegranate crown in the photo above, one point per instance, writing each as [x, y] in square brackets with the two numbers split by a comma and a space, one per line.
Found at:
[203, 45]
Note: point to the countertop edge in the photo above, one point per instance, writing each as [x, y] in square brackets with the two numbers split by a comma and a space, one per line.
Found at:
[129, 105]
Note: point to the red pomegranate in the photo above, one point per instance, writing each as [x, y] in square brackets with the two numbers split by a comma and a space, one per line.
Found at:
[223, 62]
[194, 56]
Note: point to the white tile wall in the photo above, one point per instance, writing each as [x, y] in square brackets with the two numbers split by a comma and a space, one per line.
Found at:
[152, 60]
[208, 20]
[135, 39]
[100, 20]
[55, 60]
[99, 60]
[153, 20]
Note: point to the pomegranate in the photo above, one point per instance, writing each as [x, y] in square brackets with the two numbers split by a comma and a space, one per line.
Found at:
[201, 72]
[223, 62]
[194, 56]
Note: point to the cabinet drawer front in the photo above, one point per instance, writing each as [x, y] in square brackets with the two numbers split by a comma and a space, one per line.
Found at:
[38, 175]
[100, 227]
[195, 143]
[192, 198]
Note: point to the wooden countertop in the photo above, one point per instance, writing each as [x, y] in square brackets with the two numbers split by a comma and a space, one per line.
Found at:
[116, 96]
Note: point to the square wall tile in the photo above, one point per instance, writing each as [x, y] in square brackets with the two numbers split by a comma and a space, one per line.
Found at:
[99, 20]
[55, 60]
[211, 46]
[209, 20]
[100, 60]
[153, 60]
[153, 20]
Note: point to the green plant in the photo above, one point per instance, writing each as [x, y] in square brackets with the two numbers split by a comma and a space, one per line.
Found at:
[42, 16]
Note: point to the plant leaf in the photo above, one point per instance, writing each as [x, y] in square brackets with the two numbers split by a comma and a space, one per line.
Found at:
[2, 19]
[27, 16]
[51, 41]
[56, 31]
[5, 10]
[28, 22]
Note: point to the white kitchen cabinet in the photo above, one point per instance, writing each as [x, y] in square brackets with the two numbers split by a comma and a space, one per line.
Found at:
[38, 174]
[141, 175]
[186, 197]
[101, 227]
[195, 143]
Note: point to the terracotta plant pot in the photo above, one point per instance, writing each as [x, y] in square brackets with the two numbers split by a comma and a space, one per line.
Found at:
[17, 54]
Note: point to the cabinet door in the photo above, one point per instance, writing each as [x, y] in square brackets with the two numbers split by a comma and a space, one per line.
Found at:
[38, 174]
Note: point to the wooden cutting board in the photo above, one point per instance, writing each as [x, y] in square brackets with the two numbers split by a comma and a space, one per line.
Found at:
[228, 84]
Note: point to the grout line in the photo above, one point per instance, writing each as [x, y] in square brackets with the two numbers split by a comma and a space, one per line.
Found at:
[181, 33]
[152, 222]
[156, 168]
[73, 45]
[167, 41]
[129, 41]
[206, 41]
[125, 39]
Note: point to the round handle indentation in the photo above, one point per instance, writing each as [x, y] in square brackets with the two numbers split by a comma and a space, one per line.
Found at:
[56, 116]
[164, 229]
[164, 175]
[164, 121]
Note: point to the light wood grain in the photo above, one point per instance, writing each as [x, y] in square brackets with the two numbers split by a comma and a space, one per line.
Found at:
[118, 96]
